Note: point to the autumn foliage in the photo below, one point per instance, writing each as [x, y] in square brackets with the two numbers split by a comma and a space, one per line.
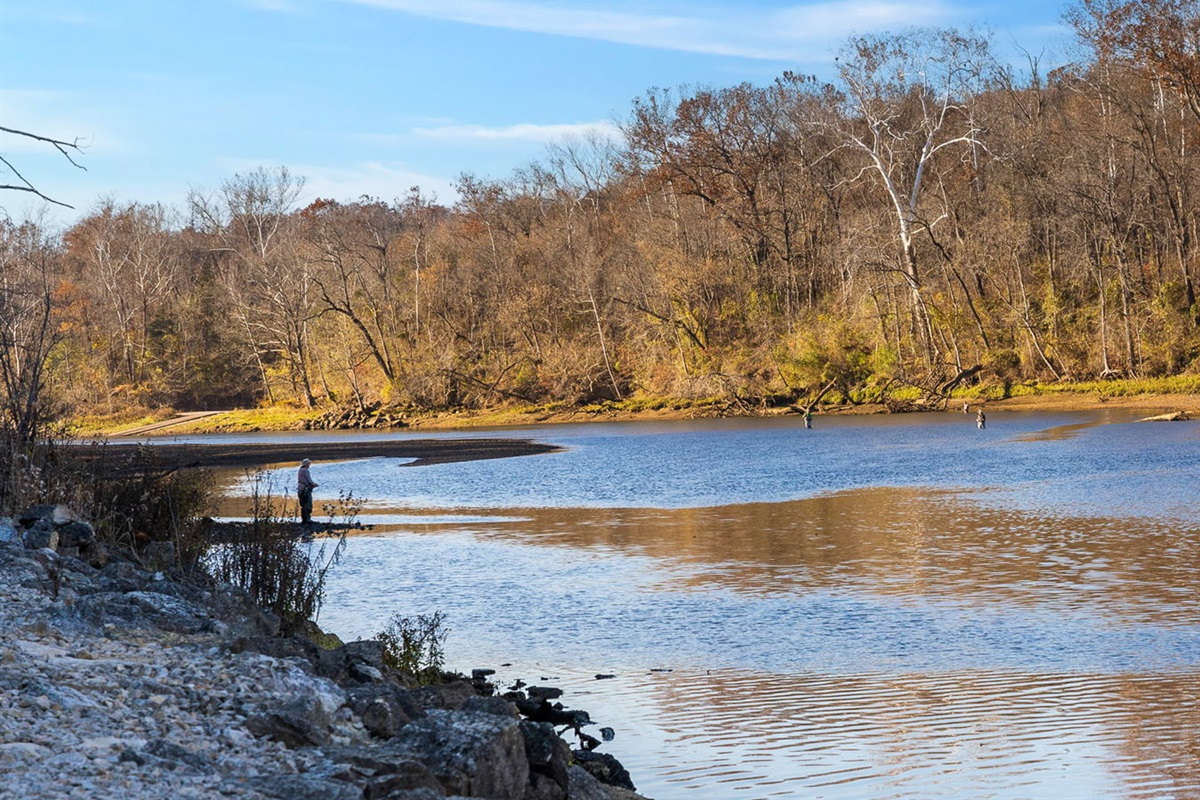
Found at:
[928, 211]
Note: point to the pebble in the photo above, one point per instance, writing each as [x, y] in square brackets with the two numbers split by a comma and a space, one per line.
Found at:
[85, 707]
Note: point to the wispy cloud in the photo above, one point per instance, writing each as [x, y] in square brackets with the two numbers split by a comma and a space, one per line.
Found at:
[731, 30]
[523, 132]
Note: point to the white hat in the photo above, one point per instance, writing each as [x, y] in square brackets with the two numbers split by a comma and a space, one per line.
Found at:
[304, 462]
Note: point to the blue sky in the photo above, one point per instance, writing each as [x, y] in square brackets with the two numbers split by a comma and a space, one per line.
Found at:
[374, 96]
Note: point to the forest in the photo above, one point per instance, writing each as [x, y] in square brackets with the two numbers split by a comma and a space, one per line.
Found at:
[930, 213]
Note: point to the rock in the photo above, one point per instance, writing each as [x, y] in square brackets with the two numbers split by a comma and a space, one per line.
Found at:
[604, 768]
[54, 514]
[16, 754]
[471, 753]
[543, 788]
[384, 708]
[544, 692]
[277, 647]
[547, 753]
[8, 533]
[491, 705]
[301, 721]
[75, 534]
[95, 554]
[582, 785]
[405, 779]
[176, 756]
[306, 787]
[445, 696]
[41, 535]
[144, 610]
[159, 555]
[542, 711]
[420, 794]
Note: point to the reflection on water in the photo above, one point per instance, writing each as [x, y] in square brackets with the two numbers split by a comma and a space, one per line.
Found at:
[884, 643]
[833, 626]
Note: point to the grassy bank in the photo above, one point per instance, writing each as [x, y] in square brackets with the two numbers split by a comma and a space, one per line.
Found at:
[1178, 393]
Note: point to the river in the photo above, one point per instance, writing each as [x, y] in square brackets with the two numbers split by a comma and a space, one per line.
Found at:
[880, 607]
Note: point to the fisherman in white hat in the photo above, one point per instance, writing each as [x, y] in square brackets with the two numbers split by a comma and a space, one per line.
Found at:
[304, 489]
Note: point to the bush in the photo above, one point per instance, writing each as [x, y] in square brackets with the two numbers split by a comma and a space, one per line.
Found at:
[282, 571]
[414, 645]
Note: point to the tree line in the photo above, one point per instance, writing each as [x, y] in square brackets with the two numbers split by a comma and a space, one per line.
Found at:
[929, 211]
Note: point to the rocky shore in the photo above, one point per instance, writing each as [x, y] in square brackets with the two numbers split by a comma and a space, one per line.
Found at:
[121, 682]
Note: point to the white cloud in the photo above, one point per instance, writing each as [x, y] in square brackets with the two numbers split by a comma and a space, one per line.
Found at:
[731, 30]
[525, 132]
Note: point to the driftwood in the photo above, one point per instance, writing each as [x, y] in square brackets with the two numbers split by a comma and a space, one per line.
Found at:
[811, 404]
[952, 384]
[1173, 416]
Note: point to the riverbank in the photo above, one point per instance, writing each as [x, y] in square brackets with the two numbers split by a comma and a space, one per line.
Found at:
[121, 682]
[1153, 398]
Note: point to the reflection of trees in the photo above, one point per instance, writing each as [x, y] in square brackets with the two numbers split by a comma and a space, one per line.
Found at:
[905, 541]
[1056, 735]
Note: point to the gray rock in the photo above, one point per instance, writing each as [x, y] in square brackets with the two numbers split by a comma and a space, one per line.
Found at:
[8, 533]
[95, 554]
[75, 534]
[447, 696]
[474, 754]
[490, 705]
[301, 721]
[306, 787]
[144, 610]
[605, 768]
[420, 794]
[54, 514]
[384, 709]
[41, 534]
[175, 756]
[543, 788]
[17, 754]
[547, 753]
[401, 778]
[582, 786]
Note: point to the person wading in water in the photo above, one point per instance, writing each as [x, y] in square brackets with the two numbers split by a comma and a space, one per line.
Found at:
[304, 489]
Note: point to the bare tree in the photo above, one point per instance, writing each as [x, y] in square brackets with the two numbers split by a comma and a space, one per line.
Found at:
[68, 149]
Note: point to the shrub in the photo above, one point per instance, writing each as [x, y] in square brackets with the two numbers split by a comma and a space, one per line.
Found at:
[414, 645]
[283, 572]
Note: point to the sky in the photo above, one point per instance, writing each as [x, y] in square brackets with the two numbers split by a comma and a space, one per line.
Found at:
[372, 97]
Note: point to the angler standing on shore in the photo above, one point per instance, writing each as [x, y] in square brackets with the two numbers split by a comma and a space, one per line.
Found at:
[304, 489]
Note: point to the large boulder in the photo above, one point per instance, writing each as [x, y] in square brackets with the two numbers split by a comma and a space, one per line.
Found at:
[54, 514]
[144, 609]
[75, 533]
[472, 753]
[384, 708]
[604, 768]
[298, 722]
[41, 534]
